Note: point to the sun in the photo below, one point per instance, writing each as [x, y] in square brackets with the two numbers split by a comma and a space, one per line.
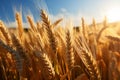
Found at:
[113, 14]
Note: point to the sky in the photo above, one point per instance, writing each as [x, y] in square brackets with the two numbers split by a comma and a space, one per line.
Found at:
[68, 9]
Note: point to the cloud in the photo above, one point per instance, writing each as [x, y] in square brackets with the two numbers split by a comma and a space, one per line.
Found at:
[63, 10]
[75, 18]
[67, 16]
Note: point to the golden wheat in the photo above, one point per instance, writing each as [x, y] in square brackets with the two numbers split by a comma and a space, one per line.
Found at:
[46, 51]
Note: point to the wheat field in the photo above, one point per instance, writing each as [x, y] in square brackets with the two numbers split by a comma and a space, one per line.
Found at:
[47, 51]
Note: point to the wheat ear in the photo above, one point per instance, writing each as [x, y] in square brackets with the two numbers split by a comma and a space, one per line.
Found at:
[47, 24]
[112, 38]
[56, 22]
[94, 24]
[100, 33]
[32, 25]
[87, 58]
[83, 27]
[5, 33]
[46, 65]
[21, 50]
[52, 41]
[20, 26]
[15, 54]
[69, 50]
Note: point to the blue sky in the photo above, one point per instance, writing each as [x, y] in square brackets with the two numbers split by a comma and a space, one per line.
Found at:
[57, 8]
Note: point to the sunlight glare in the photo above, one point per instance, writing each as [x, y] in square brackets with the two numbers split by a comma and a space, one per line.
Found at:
[113, 14]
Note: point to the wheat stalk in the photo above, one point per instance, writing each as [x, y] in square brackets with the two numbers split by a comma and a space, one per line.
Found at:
[2, 71]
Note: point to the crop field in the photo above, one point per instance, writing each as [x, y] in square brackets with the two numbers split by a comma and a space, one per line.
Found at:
[48, 51]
